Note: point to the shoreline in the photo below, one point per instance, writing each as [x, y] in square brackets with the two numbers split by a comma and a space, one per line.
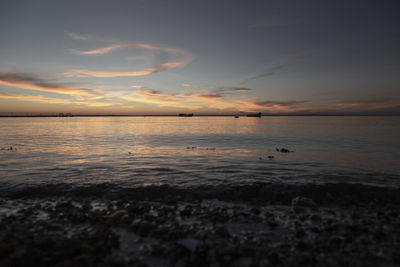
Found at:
[340, 193]
[199, 115]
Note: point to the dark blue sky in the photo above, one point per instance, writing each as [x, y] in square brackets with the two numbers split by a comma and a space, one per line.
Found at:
[219, 57]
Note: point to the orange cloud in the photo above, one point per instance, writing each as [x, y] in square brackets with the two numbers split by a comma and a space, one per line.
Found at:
[158, 98]
[159, 101]
[94, 103]
[30, 82]
[274, 107]
[154, 93]
[98, 51]
[99, 73]
[184, 58]
[35, 98]
[50, 100]
[209, 100]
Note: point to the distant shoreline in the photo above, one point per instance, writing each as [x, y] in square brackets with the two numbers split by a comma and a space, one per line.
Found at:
[263, 115]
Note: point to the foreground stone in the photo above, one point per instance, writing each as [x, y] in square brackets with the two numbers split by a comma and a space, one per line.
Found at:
[208, 232]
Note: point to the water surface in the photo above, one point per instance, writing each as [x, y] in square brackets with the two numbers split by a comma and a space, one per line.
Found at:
[139, 151]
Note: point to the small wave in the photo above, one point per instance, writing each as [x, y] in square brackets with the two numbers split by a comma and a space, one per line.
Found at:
[269, 193]
[158, 169]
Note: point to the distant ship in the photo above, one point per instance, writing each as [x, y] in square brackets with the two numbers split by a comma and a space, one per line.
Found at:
[254, 115]
[185, 115]
[65, 115]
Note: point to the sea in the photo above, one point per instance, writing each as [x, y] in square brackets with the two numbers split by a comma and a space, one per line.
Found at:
[190, 152]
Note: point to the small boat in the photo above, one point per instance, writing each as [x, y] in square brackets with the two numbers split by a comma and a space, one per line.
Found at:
[254, 115]
[185, 115]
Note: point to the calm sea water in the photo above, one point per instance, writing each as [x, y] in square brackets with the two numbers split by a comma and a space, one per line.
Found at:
[139, 151]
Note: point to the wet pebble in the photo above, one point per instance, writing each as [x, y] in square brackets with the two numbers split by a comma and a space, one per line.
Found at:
[303, 202]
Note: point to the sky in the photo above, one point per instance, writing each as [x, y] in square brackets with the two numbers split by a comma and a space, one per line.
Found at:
[163, 57]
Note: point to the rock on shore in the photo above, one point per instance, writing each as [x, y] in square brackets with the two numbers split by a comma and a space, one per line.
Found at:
[203, 231]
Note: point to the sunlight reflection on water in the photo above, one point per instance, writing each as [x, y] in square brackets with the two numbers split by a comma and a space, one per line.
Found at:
[198, 150]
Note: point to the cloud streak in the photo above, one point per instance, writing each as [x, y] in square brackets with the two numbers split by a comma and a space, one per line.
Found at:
[79, 37]
[219, 89]
[209, 100]
[159, 98]
[182, 58]
[232, 89]
[277, 66]
[98, 51]
[269, 72]
[32, 82]
[35, 98]
[280, 103]
[51, 100]
[365, 105]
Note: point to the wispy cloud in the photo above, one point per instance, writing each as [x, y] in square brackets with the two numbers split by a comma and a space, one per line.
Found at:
[35, 98]
[218, 98]
[277, 66]
[271, 107]
[80, 37]
[208, 100]
[204, 97]
[182, 58]
[364, 105]
[98, 51]
[209, 96]
[220, 90]
[158, 98]
[268, 72]
[232, 89]
[154, 93]
[188, 85]
[105, 74]
[280, 103]
[94, 103]
[180, 100]
[51, 100]
[377, 106]
[32, 82]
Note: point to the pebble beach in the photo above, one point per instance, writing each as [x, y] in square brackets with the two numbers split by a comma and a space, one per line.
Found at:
[258, 225]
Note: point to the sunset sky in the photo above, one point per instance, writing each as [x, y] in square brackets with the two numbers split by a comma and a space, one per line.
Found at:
[205, 57]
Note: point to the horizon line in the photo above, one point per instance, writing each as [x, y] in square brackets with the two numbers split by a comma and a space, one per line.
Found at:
[33, 115]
